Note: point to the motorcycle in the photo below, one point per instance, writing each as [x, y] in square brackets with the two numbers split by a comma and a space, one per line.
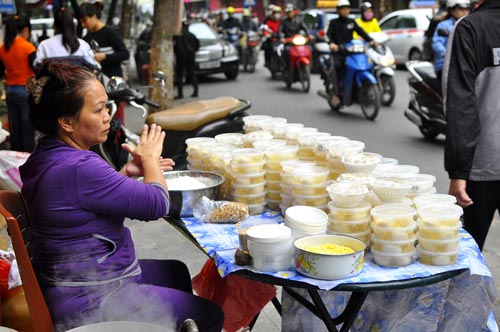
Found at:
[426, 102]
[299, 61]
[233, 36]
[250, 51]
[193, 119]
[359, 83]
[272, 41]
[383, 59]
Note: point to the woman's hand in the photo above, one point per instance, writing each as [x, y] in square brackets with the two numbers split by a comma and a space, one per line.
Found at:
[133, 169]
[457, 189]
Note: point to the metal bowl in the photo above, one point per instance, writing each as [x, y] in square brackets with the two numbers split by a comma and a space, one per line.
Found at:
[182, 201]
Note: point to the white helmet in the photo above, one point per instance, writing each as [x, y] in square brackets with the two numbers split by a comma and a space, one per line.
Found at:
[343, 3]
[459, 3]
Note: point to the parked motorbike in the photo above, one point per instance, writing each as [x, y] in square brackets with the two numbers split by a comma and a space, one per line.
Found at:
[358, 84]
[299, 61]
[250, 50]
[383, 59]
[426, 102]
[194, 119]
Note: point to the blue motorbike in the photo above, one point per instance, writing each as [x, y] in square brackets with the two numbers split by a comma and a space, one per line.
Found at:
[357, 83]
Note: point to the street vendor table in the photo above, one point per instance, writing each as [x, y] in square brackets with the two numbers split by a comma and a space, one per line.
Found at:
[219, 241]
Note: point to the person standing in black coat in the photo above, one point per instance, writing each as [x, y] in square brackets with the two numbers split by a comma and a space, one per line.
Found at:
[185, 47]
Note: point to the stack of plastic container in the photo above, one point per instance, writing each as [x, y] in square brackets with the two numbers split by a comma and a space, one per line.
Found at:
[286, 184]
[337, 151]
[248, 175]
[220, 161]
[321, 145]
[271, 247]
[438, 227]
[393, 238]
[308, 186]
[274, 156]
[193, 150]
[252, 122]
[306, 142]
[305, 220]
[349, 213]
[421, 184]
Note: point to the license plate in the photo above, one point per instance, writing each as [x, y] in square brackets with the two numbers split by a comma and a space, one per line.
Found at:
[209, 65]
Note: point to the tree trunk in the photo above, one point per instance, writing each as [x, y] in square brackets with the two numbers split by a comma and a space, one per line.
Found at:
[111, 12]
[166, 23]
[126, 21]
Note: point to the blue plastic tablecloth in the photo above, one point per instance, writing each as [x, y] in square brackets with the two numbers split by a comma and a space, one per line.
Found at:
[220, 242]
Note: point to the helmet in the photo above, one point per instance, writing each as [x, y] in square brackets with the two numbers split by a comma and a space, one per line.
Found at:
[343, 3]
[230, 10]
[365, 6]
[270, 7]
[277, 9]
[459, 3]
[246, 12]
[289, 8]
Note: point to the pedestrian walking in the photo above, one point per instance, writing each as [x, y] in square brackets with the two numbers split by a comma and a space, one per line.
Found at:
[471, 78]
[185, 47]
[16, 63]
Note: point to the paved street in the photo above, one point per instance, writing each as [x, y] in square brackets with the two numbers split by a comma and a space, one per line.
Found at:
[391, 135]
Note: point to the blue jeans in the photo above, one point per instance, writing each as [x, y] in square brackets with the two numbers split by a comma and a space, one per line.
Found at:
[22, 134]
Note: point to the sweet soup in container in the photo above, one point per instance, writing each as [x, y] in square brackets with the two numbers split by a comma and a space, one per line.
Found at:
[254, 209]
[337, 151]
[391, 189]
[281, 153]
[249, 189]
[273, 204]
[394, 233]
[270, 247]
[349, 226]
[439, 232]
[358, 212]
[318, 200]
[263, 144]
[230, 138]
[309, 190]
[273, 185]
[437, 258]
[247, 156]
[393, 215]
[269, 124]
[329, 257]
[293, 133]
[433, 215]
[345, 194]
[273, 176]
[251, 199]
[288, 166]
[361, 236]
[405, 201]
[393, 260]
[249, 178]
[281, 128]
[321, 145]
[438, 245]
[273, 195]
[251, 122]
[393, 247]
[306, 143]
[360, 163]
[310, 175]
[421, 182]
[258, 135]
[286, 199]
[249, 168]
[424, 199]
[412, 195]
[357, 178]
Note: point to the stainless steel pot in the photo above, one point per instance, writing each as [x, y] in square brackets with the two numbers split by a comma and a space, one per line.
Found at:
[182, 201]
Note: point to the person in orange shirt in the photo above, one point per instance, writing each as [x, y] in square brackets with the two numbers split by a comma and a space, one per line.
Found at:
[16, 63]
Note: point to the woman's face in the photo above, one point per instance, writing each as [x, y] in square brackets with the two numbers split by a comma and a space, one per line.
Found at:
[92, 125]
[89, 22]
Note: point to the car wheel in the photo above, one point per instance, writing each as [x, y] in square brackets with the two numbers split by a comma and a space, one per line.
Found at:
[232, 74]
[415, 54]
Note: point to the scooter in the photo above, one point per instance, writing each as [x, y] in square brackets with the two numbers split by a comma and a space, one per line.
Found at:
[383, 59]
[275, 64]
[299, 61]
[358, 84]
[194, 119]
[233, 36]
[250, 51]
[426, 102]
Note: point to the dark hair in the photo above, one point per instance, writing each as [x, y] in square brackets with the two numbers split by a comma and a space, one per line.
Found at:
[91, 9]
[14, 25]
[63, 23]
[58, 90]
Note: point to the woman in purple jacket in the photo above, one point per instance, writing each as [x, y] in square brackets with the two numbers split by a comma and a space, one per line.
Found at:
[86, 262]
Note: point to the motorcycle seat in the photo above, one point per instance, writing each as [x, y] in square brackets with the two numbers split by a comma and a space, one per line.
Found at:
[428, 75]
[192, 115]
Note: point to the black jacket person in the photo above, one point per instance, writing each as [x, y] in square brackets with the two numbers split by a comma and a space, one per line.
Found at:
[185, 47]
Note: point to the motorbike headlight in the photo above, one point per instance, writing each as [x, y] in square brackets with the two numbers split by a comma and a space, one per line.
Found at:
[386, 61]
[116, 83]
[356, 48]
[299, 40]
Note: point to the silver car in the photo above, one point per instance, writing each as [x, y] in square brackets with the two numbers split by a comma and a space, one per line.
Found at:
[406, 29]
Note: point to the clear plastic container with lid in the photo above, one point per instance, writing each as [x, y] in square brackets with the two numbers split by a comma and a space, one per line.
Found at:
[421, 182]
[439, 232]
[269, 124]
[263, 144]
[259, 198]
[349, 226]
[346, 148]
[393, 260]
[438, 245]
[393, 247]
[249, 189]
[288, 166]
[270, 246]
[253, 136]
[273, 185]
[434, 215]
[193, 146]
[425, 199]
[293, 133]
[393, 215]
[273, 175]
[319, 200]
[273, 195]
[362, 236]
[309, 175]
[281, 128]
[437, 258]
[281, 153]
[230, 138]
[249, 178]
[307, 140]
[392, 233]
[247, 156]
[358, 212]
[397, 171]
[250, 168]
[252, 122]
[310, 190]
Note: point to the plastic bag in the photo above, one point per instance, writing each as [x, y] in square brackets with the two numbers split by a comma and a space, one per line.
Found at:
[9, 169]
[240, 298]
[220, 211]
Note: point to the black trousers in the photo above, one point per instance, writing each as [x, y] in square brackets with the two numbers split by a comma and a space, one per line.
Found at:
[185, 67]
[478, 216]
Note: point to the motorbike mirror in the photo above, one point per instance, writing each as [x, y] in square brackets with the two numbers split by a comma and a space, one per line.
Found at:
[443, 32]
[116, 83]
[94, 45]
[159, 76]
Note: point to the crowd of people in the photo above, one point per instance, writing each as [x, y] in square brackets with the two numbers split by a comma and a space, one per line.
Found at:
[86, 261]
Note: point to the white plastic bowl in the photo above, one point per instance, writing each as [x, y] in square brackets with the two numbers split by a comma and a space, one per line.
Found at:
[391, 189]
[325, 266]
[346, 194]
[360, 163]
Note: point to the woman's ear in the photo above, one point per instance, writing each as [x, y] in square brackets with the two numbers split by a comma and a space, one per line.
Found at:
[66, 124]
